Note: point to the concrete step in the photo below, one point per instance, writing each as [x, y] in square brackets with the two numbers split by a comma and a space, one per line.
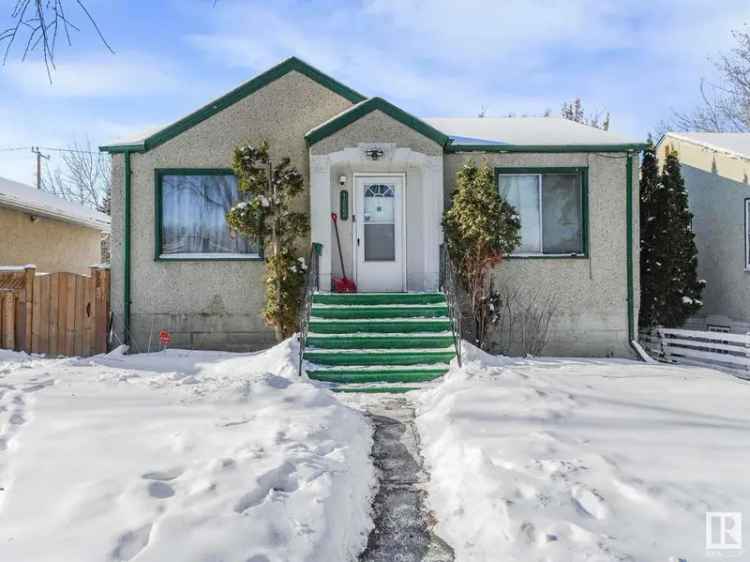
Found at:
[351, 357]
[400, 326]
[378, 342]
[350, 299]
[344, 376]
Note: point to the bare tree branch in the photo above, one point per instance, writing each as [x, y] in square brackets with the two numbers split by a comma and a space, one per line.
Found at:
[85, 177]
[40, 21]
[725, 105]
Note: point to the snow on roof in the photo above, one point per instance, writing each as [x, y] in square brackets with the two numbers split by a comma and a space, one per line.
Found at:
[29, 199]
[737, 144]
[537, 131]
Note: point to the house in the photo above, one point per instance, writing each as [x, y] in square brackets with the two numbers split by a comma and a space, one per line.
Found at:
[716, 167]
[42, 229]
[176, 266]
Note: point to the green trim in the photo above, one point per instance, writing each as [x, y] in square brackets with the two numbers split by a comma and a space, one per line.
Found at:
[629, 230]
[559, 148]
[375, 389]
[246, 89]
[126, 252]
[583, 173]
[361, 109]
[159, 173]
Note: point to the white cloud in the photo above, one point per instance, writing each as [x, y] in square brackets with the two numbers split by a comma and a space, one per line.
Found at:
[121, 75]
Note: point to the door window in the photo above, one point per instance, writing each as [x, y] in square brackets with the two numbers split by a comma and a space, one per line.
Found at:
[379, 222]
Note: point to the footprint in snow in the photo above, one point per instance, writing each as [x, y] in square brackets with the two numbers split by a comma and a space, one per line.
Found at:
[589, 502]
[163, 475]
[38, 386]
[160, 490]
[280, 479]
[131, 543]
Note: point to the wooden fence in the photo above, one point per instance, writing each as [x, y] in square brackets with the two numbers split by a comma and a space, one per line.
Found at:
[694, 347]
[54, 313]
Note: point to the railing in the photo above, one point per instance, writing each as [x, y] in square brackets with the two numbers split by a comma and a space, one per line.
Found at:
[312, 284]
[449, 287]
[694, 347]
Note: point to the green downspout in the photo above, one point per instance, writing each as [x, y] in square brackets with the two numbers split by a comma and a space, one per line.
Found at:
[126, 254]
[629, 219]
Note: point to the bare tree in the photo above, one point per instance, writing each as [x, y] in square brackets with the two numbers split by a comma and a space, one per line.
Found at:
[573, 111]
[523, 318]
[725, 105]
[36, 25]
[84, 178]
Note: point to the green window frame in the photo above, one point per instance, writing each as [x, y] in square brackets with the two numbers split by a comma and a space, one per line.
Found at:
[159, 174]
[582, 172]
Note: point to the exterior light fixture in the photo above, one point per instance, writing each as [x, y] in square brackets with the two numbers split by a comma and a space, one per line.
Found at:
[342, 181]
[374, 153]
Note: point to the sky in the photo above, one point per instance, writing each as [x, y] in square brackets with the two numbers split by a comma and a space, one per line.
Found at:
[639, 61]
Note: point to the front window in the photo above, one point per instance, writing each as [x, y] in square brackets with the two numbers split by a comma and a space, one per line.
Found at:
[193, 216]
[550, 206]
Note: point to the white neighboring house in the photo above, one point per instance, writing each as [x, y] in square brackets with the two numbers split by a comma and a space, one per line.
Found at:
[716, 168]
[45, 230]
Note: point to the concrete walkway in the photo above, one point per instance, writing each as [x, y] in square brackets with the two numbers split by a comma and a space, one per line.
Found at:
[403, 528]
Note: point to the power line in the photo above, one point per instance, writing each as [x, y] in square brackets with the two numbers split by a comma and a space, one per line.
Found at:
[49, 148]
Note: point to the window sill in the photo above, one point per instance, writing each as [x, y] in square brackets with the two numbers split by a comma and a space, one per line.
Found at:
[547, 257]
[209, 257]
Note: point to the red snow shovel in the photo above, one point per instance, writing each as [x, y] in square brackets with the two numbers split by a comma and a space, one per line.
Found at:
[344, 284]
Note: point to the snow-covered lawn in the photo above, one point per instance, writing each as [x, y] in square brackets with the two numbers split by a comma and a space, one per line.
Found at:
[178, 456]
[571, 460]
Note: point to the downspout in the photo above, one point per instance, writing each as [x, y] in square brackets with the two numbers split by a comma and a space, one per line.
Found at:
[630, 283]
[126, 254]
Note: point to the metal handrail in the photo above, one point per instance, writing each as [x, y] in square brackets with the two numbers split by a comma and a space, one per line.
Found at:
[312, 284]
[449, 287]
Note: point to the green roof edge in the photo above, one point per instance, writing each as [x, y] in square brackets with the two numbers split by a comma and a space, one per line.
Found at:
[358, 111]
[242, 91]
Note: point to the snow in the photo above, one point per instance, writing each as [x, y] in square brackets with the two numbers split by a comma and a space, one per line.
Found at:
[523, 131]
[36, 201]
[178, 455]
[572, 460]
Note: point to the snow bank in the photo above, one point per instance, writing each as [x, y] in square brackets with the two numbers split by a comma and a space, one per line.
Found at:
[571, 460]
[178, 455]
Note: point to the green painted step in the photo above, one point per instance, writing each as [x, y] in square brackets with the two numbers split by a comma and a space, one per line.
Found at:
[366, 312]
[379, 342]
[378, 298]
[385, 375]
[376, 389]
[395, 358]
[394, 327]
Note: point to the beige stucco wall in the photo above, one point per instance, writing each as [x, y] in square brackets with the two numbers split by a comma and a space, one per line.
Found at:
[405, 152]
[50, 244]
[210, 304]
[717, 186]
[591, 293]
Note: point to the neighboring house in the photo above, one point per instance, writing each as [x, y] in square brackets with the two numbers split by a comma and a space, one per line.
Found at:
[716, 167]
[176, 266]
[51, 233]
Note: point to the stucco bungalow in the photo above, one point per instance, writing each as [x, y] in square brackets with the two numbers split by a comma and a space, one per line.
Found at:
[176, 266]
[716, 168]
[47, 231]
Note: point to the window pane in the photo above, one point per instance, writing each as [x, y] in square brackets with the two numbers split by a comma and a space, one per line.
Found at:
[193, 215]
[380, 242]
[561, 214]
[522, 191]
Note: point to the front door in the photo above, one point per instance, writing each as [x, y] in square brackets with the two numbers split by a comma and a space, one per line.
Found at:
[379, 234]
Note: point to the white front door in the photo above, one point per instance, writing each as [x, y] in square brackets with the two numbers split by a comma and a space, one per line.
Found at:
[379, 236]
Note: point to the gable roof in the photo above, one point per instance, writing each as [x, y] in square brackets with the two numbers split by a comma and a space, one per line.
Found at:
[151, 140]
[358, 111]
[732, 144]
[527, 134]
[35, 201]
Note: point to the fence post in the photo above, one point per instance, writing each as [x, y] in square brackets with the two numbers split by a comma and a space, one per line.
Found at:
[27, 310]
[663, 346]
[747, 349]
[8, 319]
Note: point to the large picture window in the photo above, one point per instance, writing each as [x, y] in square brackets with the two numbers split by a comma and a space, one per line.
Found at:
[192, 207]
[551, 204]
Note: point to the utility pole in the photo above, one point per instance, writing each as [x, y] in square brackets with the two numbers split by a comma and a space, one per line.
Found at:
[39, 156]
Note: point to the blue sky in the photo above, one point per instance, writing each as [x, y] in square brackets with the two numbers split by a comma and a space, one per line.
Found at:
[637, 60]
